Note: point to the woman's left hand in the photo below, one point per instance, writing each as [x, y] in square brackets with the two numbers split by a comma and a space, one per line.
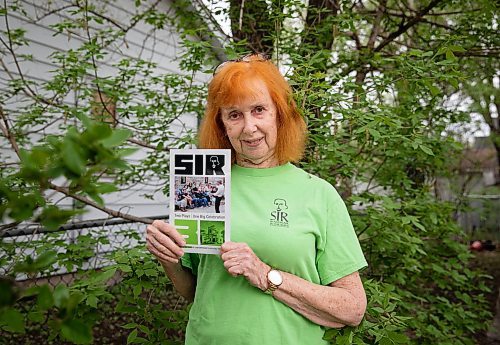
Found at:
[239, 259]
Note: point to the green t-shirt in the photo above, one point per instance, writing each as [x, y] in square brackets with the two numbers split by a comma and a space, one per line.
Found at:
[293, 221]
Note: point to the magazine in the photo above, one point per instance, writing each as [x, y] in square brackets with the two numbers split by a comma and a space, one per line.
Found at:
[200, 198]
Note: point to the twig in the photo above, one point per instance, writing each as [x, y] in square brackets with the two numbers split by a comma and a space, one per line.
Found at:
[6, 131]
[104, 209]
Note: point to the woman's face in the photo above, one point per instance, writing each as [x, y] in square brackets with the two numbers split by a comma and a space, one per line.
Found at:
[251, 127]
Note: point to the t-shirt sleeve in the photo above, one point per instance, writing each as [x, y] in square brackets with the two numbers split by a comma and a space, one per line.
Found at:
[191, 261]
[339, 252]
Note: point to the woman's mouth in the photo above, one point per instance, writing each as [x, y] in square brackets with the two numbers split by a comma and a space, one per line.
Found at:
[253, 142]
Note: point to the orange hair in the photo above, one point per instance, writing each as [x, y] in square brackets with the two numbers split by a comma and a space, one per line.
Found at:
[227, 86]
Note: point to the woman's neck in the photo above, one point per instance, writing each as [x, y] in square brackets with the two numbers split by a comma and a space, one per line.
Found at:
[269, 162]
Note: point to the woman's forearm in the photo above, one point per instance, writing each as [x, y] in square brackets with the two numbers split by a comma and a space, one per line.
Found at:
[339, 304]
[182, 278]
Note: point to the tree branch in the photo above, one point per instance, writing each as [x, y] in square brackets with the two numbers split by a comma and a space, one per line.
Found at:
[480, 52]
[145, 144]
[6, 131]
[355, 37]
[404, 27]
[104, 209]
[404, 16]
[211, 18]
[376, 24]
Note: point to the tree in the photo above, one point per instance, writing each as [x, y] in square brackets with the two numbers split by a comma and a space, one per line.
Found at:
[373, 79]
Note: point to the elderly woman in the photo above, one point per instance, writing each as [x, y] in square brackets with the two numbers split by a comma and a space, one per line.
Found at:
[292, 266]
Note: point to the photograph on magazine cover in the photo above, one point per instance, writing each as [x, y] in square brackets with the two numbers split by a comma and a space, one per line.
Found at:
[199, 194]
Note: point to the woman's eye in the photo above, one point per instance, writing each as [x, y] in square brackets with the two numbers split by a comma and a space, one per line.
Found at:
[259, 109]
[233, 116]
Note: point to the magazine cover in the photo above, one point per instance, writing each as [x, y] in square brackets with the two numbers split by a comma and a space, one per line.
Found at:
[200, 198]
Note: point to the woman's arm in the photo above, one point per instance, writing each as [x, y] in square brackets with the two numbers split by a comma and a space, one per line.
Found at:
[341, 303]
[183, 279]
[165, 242]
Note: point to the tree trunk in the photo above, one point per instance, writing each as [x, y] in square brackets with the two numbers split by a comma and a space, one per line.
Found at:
[251, 21]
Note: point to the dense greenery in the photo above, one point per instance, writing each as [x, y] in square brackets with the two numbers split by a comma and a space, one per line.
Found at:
[373, 80]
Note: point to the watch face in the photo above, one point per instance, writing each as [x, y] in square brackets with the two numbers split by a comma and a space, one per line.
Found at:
[275, 277]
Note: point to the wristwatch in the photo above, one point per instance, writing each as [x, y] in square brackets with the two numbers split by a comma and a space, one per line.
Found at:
[274, 280]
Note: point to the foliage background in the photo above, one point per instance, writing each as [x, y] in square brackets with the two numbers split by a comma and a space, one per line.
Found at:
[382, 85]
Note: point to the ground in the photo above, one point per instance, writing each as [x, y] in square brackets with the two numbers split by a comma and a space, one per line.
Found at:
[108, 331]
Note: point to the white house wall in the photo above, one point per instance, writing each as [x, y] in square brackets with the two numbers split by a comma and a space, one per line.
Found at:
[163, 47]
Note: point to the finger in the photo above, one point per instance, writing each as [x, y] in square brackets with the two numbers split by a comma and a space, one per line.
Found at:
[160, 255]
[170, 231]
[230, 246]
[235, 271]
[229, 255]
[166, 244]
[164, 258]
[164, 239]
[242, 254]
[227, 246]
[230, 263]
[171, 252]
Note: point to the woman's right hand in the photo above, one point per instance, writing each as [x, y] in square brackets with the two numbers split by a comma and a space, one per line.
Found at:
[164, 241]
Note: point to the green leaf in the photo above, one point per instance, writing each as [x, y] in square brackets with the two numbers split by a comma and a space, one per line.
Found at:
[87, 123]
[435, 91]
[45, 299]
[104, 188]
[137, 290]
[426, 150]
[61, 295]
[386, 341]
[374, 133]
[450, 55]
[131, 337]
[52, 217]
[129, 325]
[96, 198]
[36, 316]
[7, 292]
[442, 51]
[118, 137]
[71, 157]
[151, 272]
[126, 151]
[104, 276]
[92, 301]
[454, 82]
[76, 331]
[45, 259]
[13, 320]
[456, 48]
[398, 337]
[74, 299]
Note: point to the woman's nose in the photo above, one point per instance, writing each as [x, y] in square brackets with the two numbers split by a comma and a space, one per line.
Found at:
[250, 124]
